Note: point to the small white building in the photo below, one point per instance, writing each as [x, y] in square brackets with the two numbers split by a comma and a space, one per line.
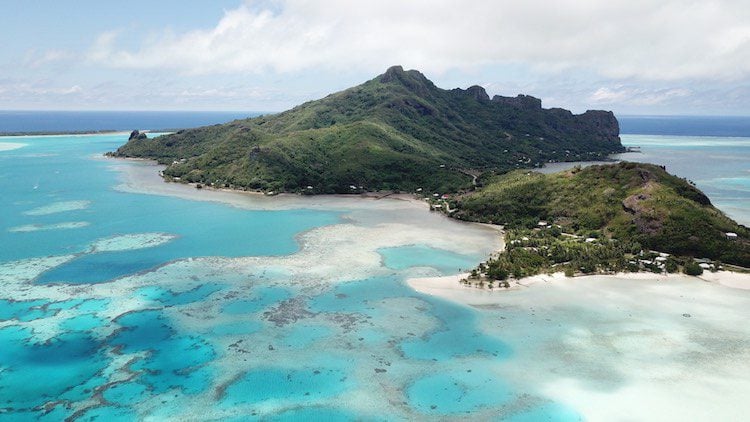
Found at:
[731, 236]
[705, 266]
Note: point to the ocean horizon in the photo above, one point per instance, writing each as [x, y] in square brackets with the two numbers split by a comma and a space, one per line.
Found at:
[58, 121]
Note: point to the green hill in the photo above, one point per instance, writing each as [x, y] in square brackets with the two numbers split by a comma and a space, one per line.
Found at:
[631, 202]
[397, 131]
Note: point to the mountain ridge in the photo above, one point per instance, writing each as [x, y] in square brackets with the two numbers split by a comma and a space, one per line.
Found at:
[397, 131]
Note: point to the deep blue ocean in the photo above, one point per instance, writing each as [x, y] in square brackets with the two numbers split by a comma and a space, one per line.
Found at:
[95, 121]
[726, 126]
[122, 304]
[82, 121]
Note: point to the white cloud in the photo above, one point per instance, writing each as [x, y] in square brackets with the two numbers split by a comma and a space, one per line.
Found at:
[637, 96]
[607, 95]
[35, 59]
[642, 39]
[37, 89]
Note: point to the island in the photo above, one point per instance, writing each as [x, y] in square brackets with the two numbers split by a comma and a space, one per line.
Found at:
[472, 157]
[397, 131]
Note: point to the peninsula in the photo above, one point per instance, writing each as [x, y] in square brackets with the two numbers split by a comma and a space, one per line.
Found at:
[465, 152]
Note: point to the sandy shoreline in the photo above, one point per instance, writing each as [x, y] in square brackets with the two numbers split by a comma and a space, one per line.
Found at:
[449, 287]
[142, 176]
[137, 176]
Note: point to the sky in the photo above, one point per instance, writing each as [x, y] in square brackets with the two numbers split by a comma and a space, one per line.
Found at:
[630, 56]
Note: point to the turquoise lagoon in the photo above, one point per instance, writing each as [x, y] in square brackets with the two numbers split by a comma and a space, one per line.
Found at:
[126, 298]
[123, 305]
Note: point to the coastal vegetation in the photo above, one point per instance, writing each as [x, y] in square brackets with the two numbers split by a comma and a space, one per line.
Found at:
[603, 218]
[397, 131]
[529, 252]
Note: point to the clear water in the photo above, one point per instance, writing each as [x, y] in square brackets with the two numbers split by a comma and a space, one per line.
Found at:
[296, 309]
[138, 305]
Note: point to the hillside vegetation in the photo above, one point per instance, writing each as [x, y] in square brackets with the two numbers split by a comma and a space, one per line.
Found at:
[637, 204]
[397, 131]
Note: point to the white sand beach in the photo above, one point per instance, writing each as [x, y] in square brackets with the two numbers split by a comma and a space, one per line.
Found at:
[626, 347]
[142, 176]
[449, 287]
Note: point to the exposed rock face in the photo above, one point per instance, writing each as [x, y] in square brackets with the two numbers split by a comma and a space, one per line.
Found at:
[604, 122]
[412, 79]
[478, 93]
[136, 135]
[525, 102]
[393, 73]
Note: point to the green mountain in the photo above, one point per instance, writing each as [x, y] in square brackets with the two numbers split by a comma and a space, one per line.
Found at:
[631, 202]
[397, 131]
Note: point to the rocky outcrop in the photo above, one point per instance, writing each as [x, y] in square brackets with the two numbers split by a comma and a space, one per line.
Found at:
[524, 102]
[478, 93]
[136, 135]
[414, 80]
[604, 123]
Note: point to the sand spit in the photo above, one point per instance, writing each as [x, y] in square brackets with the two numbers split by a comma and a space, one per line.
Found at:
[142, 176]
[56, 226]
[622, 347]
[451, 288]
[10, 146]
[58, 207]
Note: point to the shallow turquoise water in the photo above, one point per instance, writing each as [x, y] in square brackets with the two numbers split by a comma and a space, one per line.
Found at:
[458, 392]
[54, 170]
[446, 262]
[143, 329]
[172, 309]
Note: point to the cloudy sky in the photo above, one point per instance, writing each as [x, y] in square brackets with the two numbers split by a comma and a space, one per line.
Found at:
[630, 56]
